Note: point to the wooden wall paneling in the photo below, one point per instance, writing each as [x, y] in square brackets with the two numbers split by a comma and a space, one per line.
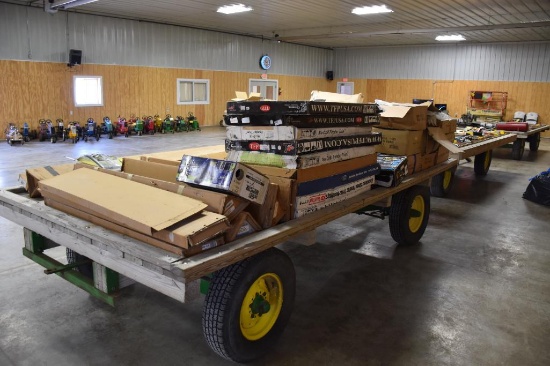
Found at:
[376, 89]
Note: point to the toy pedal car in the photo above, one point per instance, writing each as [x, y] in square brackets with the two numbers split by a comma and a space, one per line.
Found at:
[192, 122]
[13, 135]
[60, 130]
[46, 130]
[72, 131]
[25, 131]
[181, 124]
[91, 130]
[149, 125]
[107, 127]
[168, 124]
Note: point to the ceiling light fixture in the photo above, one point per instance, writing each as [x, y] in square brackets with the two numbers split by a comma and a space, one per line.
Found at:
[67, 4]
[234, 8]
[452, 37]
[375, 9]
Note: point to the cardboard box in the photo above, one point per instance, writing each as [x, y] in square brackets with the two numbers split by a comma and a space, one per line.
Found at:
[244, 224]
[442, 155]
[316, 201]
[224, 175]
[194, 230]
[285, 197]
[328, 183]
[301, 120]
[404, 116]
[220, 203]
[419, 162]
[302, 161]
[133, 205]
[264, 213]
[393, 168]
[289, 133]
[336, 97]
[212, 243]
[81, 214]
[175, 155]
[150, 169]
[401, 142]
[35, 175]
[299, 107]
[302, 147]
[446, 125]
[307, 174]
[242, 96]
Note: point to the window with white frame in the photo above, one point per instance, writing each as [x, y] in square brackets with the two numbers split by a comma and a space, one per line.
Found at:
[88, 91]
[193, 91]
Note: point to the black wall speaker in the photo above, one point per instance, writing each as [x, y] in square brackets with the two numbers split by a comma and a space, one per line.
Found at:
[75, 57]
[330, 75]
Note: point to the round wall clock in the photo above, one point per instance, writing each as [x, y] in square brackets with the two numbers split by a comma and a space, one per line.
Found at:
[265, 62]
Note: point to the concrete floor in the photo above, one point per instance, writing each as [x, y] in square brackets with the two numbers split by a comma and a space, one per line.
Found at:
[475, 291]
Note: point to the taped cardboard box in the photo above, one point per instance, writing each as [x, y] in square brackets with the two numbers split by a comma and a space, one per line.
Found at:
[35, 175]
[136, 206]
[404, 116]
[224, 175]
[401, 142]
[220, 203]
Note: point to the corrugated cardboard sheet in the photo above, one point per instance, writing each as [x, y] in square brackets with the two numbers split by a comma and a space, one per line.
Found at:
[137, 206]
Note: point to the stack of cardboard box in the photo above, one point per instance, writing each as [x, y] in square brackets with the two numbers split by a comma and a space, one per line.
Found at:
[318, 153]
[415, 131]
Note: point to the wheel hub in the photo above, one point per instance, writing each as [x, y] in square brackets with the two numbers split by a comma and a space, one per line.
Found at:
[416, 214]
[261, 306]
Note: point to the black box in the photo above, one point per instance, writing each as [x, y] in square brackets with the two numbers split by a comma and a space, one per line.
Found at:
[393, 168]
[300, 107]
[304, 121]
[301, 147]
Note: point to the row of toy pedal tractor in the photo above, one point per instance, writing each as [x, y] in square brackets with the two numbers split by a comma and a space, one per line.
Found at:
[153, 124]
[47, 130]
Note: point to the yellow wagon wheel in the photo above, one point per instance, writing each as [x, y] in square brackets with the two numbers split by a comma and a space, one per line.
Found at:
[248, 305]
[482, 162]
[409, 213]
[442, 183]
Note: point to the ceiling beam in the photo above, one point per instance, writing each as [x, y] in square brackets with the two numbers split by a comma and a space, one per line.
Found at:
[487, 27]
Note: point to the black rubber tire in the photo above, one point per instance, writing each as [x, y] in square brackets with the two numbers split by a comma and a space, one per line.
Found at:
[441, 184]
[110, 135]
[534, 142]
[85, 269]
[518, 148]
[223, 302]
[482, 162]
[401, 212]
